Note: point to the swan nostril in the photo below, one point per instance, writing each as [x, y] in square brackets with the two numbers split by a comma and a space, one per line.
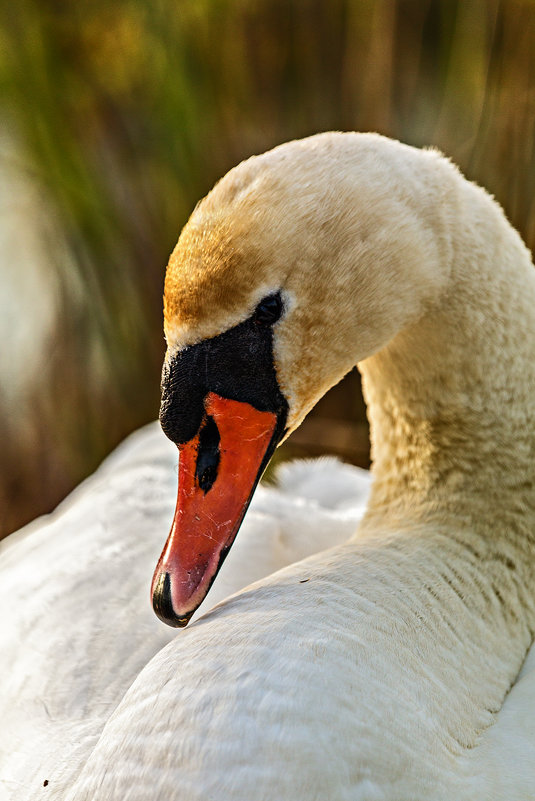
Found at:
[208, 455]
[207, 477]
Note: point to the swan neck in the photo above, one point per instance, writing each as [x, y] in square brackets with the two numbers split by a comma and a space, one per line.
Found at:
[451, 397]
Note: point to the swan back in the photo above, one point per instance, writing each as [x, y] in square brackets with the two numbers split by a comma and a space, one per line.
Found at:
[77, 622]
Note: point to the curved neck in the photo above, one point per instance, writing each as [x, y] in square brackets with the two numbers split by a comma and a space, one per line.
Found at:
[451, 399]
[451, 403]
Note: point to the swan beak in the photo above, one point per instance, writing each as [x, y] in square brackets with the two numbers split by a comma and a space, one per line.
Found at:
[218, 472]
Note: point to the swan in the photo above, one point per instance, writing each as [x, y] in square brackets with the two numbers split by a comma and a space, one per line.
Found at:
[397, 665]
[77, 626]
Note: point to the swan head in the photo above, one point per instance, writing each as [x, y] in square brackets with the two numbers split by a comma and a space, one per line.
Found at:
[297, 265]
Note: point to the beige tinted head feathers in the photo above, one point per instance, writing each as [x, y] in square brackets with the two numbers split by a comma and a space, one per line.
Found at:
[298, 264]
[344, 225]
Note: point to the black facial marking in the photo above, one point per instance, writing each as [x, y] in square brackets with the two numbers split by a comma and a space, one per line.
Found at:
[237, 365]
[208, 455]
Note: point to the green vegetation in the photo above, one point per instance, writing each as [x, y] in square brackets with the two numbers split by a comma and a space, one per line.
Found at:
[127, 112]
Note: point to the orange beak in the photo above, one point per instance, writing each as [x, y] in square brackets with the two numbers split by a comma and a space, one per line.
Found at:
[218, 472]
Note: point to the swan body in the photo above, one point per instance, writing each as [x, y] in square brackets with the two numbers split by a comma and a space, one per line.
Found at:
[74, 638]
[399, 665]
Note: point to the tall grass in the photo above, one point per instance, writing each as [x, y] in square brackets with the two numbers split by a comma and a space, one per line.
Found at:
[126, 114]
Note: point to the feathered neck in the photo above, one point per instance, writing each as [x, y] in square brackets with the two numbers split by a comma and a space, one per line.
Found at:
[451, 399]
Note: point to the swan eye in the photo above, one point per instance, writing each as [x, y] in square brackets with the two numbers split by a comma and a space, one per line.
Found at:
[268, 310]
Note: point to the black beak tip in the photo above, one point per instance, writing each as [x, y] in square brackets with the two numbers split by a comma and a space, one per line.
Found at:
[163, 605]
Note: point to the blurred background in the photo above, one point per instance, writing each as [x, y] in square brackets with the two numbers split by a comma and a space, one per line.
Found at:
[115, 118]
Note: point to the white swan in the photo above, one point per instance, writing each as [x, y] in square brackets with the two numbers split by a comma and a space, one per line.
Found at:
[77, 626]
[393, 666]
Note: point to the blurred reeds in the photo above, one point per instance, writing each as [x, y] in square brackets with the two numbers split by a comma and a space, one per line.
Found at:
[124, 115]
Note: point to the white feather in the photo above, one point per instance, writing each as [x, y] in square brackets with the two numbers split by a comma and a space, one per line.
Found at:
[77, 622]
[397, 666]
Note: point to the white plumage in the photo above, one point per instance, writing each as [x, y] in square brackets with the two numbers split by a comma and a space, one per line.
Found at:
[77, 622]
[392, 667]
